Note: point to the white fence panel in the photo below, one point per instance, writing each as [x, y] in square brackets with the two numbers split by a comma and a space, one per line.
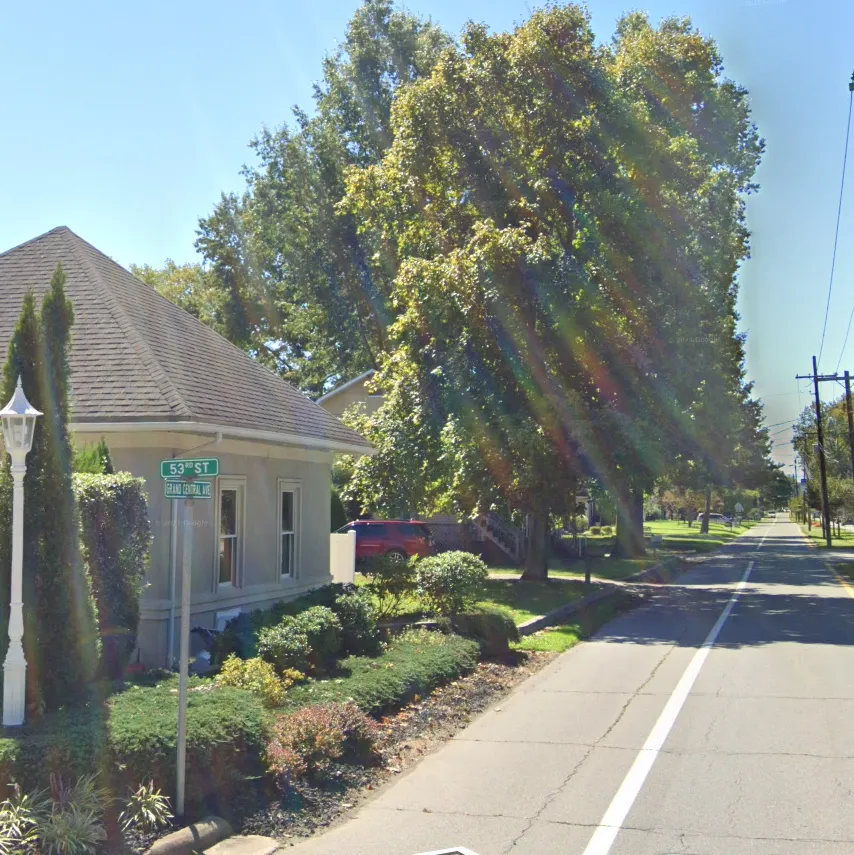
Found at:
[342, 557]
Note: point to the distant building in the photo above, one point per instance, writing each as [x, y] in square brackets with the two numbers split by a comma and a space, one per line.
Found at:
[354, 391]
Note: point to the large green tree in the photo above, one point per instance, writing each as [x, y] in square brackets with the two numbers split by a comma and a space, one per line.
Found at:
[543, 229]
[286, 275]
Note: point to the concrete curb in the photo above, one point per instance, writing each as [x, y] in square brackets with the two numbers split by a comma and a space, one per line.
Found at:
[194, 838]
[657, 573]
[560, 614]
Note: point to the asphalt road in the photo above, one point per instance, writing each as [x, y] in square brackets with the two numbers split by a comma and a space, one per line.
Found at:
[716, 720]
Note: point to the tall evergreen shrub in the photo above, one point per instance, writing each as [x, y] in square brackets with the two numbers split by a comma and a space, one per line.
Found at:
[60, 641]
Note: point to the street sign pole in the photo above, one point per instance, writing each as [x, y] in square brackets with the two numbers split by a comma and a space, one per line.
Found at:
[178, 476]
[184, 666]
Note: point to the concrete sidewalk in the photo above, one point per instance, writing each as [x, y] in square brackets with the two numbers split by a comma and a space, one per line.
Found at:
[559, 739]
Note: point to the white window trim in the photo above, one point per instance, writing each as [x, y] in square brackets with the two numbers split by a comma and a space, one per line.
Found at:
[238, 483]
[293, 486]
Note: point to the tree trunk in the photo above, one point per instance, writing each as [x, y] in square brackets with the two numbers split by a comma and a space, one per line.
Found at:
[536, 564]
[704, 528]
[630, 542]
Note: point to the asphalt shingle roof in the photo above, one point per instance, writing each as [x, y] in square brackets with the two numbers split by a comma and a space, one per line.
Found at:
[136, 357]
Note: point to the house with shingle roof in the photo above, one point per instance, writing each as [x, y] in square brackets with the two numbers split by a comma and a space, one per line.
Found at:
[156, 383]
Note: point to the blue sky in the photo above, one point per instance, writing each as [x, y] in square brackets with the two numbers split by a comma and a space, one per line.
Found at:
[126, 121]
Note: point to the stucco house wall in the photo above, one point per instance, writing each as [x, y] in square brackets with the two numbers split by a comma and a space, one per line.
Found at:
[259, 470]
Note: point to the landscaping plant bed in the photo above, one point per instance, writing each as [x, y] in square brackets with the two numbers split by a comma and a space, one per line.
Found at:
[407, 735]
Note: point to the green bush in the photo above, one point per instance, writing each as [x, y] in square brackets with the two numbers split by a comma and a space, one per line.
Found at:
[146, 810]
[449, 582]
[308, 741]
[580, 524]
[389, 580]
[414, 664]
[492, 629]
[133, 738]
[595, 529]
[358, 620]
[607, 530]
[69, 821]
[309, 641]
[258, 677]
[754, 514]
[224, 738]
[240, 636]
[115, 539]
[70, 743]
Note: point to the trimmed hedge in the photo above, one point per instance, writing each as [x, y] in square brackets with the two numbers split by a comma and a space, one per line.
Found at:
[224, 737]
[415, 663]
[115, 539]
[133, 739]
[492, 629]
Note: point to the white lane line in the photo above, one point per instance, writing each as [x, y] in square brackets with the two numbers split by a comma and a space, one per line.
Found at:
[607, 830]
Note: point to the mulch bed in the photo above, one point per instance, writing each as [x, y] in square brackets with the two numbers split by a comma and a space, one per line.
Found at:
[407, 736]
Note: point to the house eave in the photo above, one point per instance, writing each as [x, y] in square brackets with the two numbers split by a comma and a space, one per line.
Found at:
[275, 437]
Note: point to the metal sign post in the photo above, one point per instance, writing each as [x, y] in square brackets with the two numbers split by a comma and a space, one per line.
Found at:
[179, 477]
[184, 665]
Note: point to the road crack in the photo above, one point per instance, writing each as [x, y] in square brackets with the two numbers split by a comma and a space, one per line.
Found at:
[549, 799]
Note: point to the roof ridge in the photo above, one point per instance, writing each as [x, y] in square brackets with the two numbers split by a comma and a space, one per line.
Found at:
[239, 352]
[56, 230]
[139, 346]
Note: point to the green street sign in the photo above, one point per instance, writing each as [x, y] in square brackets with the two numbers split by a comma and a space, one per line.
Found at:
[187, 489]
[204, 467]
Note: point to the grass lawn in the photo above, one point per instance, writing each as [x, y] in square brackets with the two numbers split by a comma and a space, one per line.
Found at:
[615, 569]
[678, 537]
[560, 638]
[526, 600]
[845, 542]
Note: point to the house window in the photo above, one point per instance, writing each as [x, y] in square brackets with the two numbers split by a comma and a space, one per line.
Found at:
[289, 524]
[230, 533]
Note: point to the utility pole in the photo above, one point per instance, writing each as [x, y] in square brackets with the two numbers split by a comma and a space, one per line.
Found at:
[850, 417]
[822, 378]
[822, 464]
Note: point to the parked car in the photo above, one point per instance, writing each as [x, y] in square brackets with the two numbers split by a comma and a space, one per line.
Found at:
[715, 518]
[395, 538]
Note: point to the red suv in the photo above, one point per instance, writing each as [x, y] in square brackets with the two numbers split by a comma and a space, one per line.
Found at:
[396, 538]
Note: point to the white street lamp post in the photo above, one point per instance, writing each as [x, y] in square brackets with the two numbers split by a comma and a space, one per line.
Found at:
[19, 425]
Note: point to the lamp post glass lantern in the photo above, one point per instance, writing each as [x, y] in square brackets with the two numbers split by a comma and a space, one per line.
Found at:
[18, 418]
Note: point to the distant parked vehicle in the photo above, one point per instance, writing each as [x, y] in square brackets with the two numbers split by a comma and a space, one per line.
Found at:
[715, 518]
[396, 538]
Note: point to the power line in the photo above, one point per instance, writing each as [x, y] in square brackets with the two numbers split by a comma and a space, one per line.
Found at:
[777, 424]
[838, 218]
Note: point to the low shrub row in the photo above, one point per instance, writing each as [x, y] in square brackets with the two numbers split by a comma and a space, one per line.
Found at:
[132, 739]
[415, 663]
[493, 629]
